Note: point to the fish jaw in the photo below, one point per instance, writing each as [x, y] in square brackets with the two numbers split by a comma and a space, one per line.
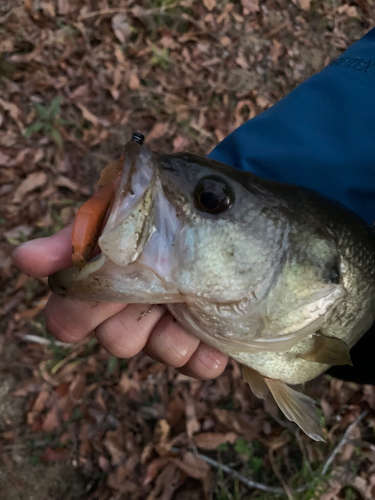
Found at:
[136, 260]
[125, 232]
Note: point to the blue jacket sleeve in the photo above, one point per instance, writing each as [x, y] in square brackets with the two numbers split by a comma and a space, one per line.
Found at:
[320, 136]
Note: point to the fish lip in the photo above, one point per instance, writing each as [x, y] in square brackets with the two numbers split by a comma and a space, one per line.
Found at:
[130, 212]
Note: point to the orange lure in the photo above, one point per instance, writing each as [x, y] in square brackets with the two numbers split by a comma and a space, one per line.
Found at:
[91, 214]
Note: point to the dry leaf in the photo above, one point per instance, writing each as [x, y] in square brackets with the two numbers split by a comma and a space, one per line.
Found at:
[225, 41]
[121, 27]
[211, 440]
[158, 130]
[4, 160]
[209, 4]
[153, 469]
[90, 117]
[304, 4]
[77, 387]
[133, 81]
[32, 181]
[14, 112]
[55, 455]
[38, 406]
[114, 442]
[250, 6]
[63, 7]
[352, 11]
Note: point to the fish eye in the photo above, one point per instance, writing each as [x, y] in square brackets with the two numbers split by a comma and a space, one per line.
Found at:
[213, 195]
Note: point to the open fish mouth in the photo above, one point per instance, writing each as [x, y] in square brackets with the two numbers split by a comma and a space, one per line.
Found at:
[135, 242]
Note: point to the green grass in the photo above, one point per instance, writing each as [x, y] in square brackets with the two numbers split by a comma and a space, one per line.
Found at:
[48, 121]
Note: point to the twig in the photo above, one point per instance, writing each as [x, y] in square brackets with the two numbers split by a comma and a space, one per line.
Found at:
[232, 472]
[40, 340]
[279, 476]
[342, 442]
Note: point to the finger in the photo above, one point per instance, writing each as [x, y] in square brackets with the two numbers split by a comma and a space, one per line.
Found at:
[170, 344]
[44, 256]
[205, 363]
[72, 320]
[126, 333]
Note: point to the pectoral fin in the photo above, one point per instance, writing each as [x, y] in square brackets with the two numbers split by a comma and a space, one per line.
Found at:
[255, 381]
[297, 407]
[328, 350]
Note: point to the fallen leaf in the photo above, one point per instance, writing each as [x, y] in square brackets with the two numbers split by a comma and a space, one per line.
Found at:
[38, 405]
[14, 112]
[55, 455]
[63, 7]
[52, 420]
[225, 41]
[211, 440]
[90, 117]
[33, 181]
[304, 4]
[77, 387]
[133, 81]
[113, 441]
[250, 6]
[121, 27]
[4, 159]
[352, 11]
[153, 469]
[158, 131]
[209, 4]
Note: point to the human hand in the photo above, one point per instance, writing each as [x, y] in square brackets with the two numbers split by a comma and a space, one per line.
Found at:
[123, 330]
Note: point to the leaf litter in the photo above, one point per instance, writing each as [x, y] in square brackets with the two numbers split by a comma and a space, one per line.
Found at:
[77, 78]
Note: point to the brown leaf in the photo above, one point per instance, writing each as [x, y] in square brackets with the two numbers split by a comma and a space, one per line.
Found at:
[77, 387]
[63, 7]
[38, 405]
[133, 81]
[180, 143]
[250, 6]
[114, 443]
[211, 440]
[193, 466]
[121, 27]
[14, 112]
[52, 420]
[209, 4]
[126, 384]
[153, 469]
[161, 437]
[304, 4]
[33, 181]
[55, 455]
[158, 131]
[90, 117]
[4, 160]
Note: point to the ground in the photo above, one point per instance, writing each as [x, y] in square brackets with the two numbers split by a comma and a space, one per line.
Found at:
[77, 78]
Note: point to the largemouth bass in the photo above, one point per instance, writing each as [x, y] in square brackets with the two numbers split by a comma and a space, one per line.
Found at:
[277, 277]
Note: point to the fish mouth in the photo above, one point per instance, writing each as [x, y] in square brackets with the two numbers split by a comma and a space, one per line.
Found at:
[134, 263]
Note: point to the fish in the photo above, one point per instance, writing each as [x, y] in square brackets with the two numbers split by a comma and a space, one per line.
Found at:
[276, 276]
